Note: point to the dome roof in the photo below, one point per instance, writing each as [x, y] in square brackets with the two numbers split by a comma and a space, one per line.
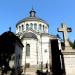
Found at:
[29, 35]
[32, 17]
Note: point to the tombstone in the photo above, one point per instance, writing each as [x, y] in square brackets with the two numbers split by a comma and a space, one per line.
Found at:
[68, 53]
[64, 29]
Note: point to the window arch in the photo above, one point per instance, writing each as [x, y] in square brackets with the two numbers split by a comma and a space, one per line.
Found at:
[40, 26]
[27, 26]
[22, 27]
[27, 49]
[35, 26]
[43, 28]
[31, 25]
[19, 28]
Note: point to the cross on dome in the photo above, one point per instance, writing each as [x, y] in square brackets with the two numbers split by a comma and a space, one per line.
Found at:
[9, 28]
[32, 12]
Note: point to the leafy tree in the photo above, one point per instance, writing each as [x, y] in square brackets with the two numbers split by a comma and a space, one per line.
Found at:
[74, 44]
[71, 43]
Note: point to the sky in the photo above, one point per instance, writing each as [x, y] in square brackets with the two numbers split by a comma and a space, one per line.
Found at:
[54, 12]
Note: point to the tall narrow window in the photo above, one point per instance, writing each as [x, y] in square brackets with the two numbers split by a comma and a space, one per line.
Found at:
[35, 26]
[27, 26]
[19, 28]
[40, 26]
[43, 28]
[27, 49]
[22, 27]
[31, 26]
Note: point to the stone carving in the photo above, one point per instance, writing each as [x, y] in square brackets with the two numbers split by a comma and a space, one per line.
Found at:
[64, 29]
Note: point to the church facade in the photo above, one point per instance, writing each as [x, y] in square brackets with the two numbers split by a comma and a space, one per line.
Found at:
[36, 53]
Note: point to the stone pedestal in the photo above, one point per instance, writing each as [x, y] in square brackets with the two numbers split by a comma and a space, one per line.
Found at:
[69, 61]
[68, 48]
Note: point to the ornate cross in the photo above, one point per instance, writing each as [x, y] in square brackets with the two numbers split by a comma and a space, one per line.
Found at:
[64, 29]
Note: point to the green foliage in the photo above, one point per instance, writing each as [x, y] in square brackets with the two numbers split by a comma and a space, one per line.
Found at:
[72, 44]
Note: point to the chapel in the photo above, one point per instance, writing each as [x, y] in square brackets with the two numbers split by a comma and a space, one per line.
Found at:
[34, 35]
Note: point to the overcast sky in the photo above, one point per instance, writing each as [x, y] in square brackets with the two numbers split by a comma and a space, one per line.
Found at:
[53, 11]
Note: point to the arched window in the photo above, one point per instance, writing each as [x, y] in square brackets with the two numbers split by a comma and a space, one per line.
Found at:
[43, 28]
[22, 27]
[27, 49]
[31, 25]
[19, 28]
[40, 26]
[27, 26]
[35, 26]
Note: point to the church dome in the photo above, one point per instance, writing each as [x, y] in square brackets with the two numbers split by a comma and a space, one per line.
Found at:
[32, 17]
[32, 22]
[29, 35]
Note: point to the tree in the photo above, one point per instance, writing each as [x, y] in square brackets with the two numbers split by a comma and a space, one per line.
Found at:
[71, 43]
[74, 44]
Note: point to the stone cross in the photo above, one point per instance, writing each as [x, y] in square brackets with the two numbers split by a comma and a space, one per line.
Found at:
[9, 28]
[64, 29]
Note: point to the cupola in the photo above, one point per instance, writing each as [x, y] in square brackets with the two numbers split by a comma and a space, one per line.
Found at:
[32, 13]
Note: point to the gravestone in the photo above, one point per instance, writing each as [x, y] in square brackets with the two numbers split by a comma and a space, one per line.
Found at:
[68, 53]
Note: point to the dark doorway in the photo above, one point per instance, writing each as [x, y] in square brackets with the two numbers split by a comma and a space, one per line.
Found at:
[56, 63]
